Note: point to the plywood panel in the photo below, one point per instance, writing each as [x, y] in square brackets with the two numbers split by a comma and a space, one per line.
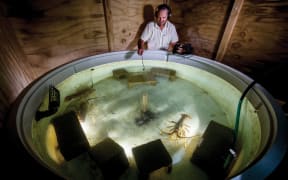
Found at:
[57, 32]
[15, 74]
[261, 33]
[129, 19]
[229, 28]
[201, 22]
[259, 43]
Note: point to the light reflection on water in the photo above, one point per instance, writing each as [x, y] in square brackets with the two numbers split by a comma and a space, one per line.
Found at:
[111, 110]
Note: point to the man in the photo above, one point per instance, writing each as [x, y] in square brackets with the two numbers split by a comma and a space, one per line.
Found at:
[160, 34]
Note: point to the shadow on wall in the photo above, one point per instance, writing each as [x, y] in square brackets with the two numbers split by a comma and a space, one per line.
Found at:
[21, 9]
[148, 15]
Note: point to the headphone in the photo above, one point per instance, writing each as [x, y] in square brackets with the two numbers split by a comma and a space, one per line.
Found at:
[162, 7]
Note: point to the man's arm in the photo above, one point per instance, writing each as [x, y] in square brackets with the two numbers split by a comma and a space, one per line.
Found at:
[171, 46]
[174, 39]
[140, 47]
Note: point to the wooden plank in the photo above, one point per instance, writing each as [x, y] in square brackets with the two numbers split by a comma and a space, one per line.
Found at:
[258, 46]
[108, 23]
[200, 23]
[63, 31]
[15, 72]
[237, 6]
[259, 37]
[129, 19]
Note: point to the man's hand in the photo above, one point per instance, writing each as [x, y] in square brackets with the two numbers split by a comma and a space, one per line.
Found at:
[171, 47]
[140, 47]
[140, 51]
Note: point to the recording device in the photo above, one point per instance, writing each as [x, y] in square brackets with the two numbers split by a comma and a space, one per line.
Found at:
[182, 48]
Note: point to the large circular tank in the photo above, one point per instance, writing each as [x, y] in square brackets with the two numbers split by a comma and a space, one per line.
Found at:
[110, 105]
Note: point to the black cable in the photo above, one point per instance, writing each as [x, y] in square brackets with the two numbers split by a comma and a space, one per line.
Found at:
[239, 109]
[142, 63]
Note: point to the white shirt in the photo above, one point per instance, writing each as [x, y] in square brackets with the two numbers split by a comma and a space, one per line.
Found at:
[157, 39]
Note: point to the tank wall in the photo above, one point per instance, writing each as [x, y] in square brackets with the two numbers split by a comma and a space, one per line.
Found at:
[226, 95]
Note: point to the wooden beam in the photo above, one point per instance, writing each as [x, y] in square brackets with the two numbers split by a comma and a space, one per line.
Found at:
[109, 24]
[15, 73]
[234, 14]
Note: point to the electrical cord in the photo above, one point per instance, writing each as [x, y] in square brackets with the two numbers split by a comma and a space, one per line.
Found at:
[236, 128]
[142, 63]
[232, 154]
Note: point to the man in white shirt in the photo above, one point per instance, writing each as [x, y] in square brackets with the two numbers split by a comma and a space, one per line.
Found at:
[160, 34]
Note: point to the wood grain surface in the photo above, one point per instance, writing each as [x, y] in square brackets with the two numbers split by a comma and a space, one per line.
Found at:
[61, 31]
[129, 19]
[201, 23]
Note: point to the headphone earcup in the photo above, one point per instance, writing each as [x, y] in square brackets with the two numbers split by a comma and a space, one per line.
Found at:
[169, 11]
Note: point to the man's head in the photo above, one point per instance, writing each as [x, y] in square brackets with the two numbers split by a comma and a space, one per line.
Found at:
[162, 13]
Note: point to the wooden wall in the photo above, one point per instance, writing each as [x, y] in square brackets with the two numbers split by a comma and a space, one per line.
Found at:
[201, 23]
[14, 74]
[260, 35]
[55, 32]
[259, 44]
[127, 21]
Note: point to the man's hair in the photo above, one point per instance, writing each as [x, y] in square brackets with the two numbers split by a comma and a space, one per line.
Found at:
[163, 7]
